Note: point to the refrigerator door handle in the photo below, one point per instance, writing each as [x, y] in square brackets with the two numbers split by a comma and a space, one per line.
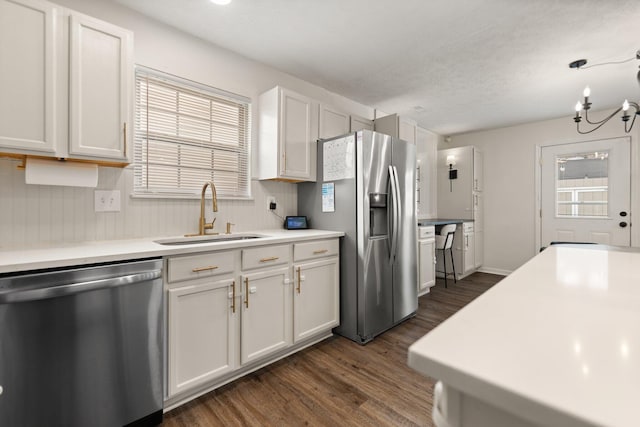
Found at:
[398, 212]
[393, 232]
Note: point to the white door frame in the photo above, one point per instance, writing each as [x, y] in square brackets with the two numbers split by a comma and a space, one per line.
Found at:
[635, 197]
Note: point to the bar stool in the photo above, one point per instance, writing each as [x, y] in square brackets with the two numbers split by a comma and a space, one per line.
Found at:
[444, 241]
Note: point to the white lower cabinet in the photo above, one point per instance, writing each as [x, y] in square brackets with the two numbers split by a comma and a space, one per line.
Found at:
[266, 314]
[314, 298]
[230, 312]
[202, 333]
[427, 265]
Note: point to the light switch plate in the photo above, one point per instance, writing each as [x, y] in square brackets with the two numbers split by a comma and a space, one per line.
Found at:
[107, 200]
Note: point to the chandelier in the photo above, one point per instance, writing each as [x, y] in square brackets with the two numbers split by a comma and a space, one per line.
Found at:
[628, 117]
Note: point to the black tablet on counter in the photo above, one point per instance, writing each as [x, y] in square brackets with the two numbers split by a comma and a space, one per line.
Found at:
[296, 223]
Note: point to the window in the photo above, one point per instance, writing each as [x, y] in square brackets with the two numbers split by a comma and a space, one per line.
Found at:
[186, 134]
[582, 185]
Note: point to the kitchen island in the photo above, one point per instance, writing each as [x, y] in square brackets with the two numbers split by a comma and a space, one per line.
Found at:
[556, 343]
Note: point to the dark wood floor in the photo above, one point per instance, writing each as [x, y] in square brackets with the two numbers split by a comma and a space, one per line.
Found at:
[338, 382]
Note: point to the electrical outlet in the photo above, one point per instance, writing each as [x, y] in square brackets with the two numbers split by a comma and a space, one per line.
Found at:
[271, 203]
[107, 200]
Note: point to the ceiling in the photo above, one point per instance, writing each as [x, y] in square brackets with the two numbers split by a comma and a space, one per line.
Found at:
[454, 66]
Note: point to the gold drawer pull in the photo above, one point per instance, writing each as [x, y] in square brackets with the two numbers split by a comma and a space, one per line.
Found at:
[273, 258]
[246, 292]
[209, 267]
[321, 251]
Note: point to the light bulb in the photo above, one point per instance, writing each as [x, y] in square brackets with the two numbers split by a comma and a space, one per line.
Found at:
[625, 105]
[586, 92]
[578, 106]
[221, 2]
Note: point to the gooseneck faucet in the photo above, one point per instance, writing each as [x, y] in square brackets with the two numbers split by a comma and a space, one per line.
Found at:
[203, 223]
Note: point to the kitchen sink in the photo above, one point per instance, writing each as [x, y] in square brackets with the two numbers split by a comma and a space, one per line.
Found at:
[194, 240]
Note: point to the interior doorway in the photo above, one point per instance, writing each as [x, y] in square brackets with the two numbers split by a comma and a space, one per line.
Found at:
[585, 192]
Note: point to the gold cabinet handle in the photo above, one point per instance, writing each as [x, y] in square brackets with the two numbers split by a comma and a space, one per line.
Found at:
[209, 267]
[321, 251]
[246, 292]
[299, 280]
[273, 258]
[233, 297]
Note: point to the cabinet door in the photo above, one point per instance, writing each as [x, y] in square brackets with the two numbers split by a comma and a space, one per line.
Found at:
[99, 88]
[479, 248]
[297, 141]
[478, 170]
[360, 123]
[427, 156]
[407, 130]
[469, 253]
[27, 64]
[332, 122]
[315, 300]
[266, 314]
[427, 271]
[202, 333]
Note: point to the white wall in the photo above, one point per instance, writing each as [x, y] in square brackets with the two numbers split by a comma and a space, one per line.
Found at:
[35, 214]
[509, 182]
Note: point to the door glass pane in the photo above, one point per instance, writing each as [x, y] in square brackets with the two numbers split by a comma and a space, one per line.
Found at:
[582, 185]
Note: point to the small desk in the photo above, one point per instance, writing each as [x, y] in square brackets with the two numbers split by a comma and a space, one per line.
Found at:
[441, 221]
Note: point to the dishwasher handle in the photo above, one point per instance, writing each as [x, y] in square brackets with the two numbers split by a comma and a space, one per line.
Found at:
[75, 288]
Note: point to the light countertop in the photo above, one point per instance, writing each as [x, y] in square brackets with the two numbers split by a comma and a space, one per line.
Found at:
[54, 256]
[557, 342]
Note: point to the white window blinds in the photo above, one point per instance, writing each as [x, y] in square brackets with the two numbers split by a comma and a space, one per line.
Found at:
[187, 134]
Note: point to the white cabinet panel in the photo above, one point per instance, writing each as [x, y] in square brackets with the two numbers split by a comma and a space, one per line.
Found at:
[202, 335]
[63, 100]
[333, 122]
[426, 160]
[288, 125]
[316, 297]
[27, 71]
[360, 123]
[426, 261]
[99, 88]
[266, 314]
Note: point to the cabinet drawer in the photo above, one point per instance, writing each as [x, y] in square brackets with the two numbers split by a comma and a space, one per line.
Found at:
[264, 256]
[319, 249]
[198, 266]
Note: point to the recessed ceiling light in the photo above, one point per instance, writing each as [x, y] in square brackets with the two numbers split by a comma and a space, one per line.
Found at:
[221, 2]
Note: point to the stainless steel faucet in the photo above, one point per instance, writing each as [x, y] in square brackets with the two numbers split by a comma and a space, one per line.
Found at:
[203, 225]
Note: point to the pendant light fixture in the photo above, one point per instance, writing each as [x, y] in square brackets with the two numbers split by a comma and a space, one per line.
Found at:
[627, 119]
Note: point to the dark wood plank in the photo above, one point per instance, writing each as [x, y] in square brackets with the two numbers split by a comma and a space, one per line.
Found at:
[339, 382]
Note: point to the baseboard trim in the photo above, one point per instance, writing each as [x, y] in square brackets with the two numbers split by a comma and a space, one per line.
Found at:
[498, 271]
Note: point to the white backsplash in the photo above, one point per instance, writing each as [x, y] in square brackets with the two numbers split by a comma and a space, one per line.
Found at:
[40, 214]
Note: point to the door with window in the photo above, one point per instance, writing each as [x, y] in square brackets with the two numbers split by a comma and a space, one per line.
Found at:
[586, 192]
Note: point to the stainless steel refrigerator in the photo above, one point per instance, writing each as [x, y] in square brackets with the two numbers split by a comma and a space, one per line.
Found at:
[366, 187]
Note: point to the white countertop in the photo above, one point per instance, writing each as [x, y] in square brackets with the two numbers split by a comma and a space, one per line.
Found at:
[557, 342]
[54, 256]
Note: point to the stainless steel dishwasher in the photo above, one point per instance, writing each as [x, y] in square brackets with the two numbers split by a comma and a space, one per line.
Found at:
[82, 346]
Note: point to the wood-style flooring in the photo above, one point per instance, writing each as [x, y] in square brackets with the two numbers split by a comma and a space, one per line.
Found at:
[338, 382]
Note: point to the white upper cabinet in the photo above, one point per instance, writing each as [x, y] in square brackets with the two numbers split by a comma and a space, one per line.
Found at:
[427, 173]
[66, 83]
[288, 125]
[99, 88]
[360, 123]
[27, 73]
[397, 127]
[333, 122]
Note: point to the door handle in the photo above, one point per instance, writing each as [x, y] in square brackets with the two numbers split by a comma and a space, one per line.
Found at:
[622, 224]
[623, 213]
